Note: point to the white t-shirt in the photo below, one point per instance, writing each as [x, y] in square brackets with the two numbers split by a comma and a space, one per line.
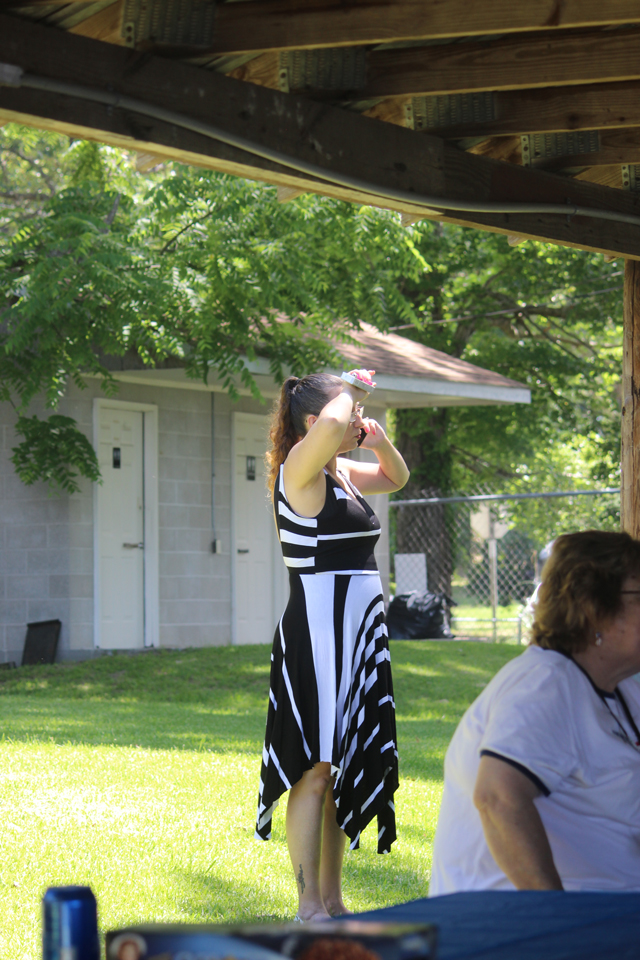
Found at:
[541, 713]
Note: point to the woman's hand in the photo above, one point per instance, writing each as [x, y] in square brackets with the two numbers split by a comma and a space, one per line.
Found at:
[389, 474]
[375, 435]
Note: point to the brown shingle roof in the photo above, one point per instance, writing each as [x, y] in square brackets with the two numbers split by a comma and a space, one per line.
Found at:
[391, 355]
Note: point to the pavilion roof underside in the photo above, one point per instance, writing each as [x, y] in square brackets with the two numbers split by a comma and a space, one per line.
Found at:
[491, 102]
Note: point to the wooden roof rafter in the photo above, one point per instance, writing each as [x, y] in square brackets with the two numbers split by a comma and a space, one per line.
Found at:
[561, 73]
[588, 106]
[275, 25]
[338, 141]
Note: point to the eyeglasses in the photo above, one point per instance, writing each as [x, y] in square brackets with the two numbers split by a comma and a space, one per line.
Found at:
[358, 411]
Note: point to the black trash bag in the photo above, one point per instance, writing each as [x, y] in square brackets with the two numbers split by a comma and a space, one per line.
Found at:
[420, 616]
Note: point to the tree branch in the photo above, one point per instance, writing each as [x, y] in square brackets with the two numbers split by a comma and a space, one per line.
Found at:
[110, 217]
[7, 195]
[486, 464]
[184, 229]
[555, 340]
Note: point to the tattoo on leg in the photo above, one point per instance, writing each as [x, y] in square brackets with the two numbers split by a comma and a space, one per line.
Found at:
[300, 879]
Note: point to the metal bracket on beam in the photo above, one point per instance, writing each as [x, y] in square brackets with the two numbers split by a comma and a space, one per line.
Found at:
[540, 147]
[409, 118]
[449, 110]
[342, 69]
[631, 177]
[283, 73]
[177, 23]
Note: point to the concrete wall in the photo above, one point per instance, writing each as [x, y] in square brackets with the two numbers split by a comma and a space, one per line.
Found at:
[195, 583]
[34, 551]
[46, 541]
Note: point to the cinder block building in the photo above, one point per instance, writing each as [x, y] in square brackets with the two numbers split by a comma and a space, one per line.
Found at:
[177, 547]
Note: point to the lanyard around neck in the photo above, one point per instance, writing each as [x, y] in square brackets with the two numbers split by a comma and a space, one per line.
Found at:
[621, 700]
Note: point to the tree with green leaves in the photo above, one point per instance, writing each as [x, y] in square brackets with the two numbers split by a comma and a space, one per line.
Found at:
[187, 265]
[97, 263]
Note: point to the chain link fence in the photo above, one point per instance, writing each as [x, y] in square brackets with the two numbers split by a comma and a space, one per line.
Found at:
[486, 551]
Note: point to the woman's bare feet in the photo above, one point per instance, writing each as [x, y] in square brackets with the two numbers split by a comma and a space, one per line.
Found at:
[338, 909]
[312, 917]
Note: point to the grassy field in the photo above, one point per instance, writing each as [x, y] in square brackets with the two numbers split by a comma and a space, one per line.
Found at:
[138, 775]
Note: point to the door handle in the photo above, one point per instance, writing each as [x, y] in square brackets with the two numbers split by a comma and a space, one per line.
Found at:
[133, 546]
[242, 551]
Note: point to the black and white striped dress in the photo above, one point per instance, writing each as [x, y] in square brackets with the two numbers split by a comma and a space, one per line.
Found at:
[331, 695]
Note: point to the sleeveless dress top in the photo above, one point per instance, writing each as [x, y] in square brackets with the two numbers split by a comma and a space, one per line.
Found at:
[331, 694]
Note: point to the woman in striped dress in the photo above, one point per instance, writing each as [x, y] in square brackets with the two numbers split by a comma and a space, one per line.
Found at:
[331, 736]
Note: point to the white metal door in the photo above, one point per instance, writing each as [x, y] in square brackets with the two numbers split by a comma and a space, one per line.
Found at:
[255, 534]
[121, 514]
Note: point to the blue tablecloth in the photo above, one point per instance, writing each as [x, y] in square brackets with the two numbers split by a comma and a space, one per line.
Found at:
[528, 925]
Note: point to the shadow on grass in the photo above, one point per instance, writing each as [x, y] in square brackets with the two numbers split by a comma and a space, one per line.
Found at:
[422, 745]
[432, 677]
[416, 835]
[370, 882]
[155, 726]
[224, 678]
[375, 881]
[215, 699]
[150, 725]
[212, 899]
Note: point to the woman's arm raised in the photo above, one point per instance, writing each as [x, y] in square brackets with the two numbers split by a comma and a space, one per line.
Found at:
[512, 826]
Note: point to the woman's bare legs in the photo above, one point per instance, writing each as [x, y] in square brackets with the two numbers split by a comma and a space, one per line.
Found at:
[304, 838]
[333, 843]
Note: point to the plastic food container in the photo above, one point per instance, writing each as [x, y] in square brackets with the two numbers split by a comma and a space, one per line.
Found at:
[340, 939]
[359, 381]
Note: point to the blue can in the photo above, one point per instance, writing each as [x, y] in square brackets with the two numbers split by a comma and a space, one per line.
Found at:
[70, 924]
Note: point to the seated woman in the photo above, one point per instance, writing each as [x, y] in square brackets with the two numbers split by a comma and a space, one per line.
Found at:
[542, 777]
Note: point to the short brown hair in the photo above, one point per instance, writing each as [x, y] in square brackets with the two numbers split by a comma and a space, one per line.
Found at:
[581, 585]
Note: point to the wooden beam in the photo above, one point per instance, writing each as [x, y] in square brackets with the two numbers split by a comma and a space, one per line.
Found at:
[607, 176]
[263, 70]
[630, 507]
[285, 194]
[616, 147]
[337, 141]
[146, 161]
[598, 106]
[300, 25]
[512, 63]
[572, 60]
[103, 25]
[499, 148]
[7, 5]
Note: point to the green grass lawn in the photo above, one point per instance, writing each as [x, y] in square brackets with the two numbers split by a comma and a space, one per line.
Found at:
[138, 775]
